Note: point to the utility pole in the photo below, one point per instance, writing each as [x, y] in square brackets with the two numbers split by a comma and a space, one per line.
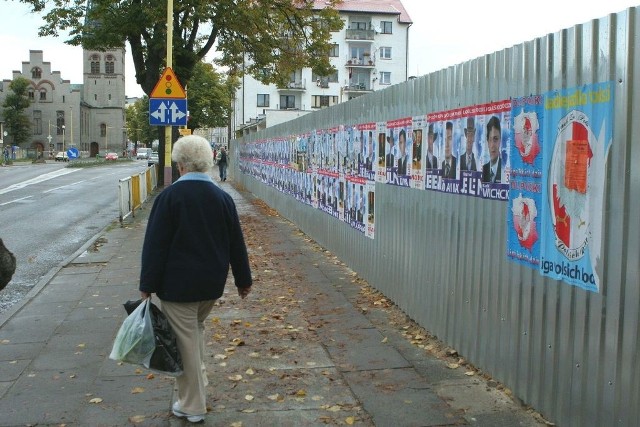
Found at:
[167, 130]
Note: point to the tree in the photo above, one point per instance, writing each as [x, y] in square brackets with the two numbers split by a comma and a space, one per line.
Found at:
[210, 95]
[138, 127]
[268, 39]
[16, 121]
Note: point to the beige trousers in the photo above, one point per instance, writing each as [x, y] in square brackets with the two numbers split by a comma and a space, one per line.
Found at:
[187, 321]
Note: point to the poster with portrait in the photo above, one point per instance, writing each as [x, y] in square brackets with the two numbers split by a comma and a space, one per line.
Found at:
[367, 164]
[485, 129]
[381, 136]
[398, 151]
[417, 152]
[525, 195]
[578, 134]
[355, 203]
[371, 203]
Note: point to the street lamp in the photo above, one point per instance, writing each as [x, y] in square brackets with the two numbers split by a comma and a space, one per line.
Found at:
[63, 131]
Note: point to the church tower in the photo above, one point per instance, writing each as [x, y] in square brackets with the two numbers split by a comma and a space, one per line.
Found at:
[103, 112]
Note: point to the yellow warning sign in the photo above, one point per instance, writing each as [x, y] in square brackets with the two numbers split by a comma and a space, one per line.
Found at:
[184, 132]
[168, 86]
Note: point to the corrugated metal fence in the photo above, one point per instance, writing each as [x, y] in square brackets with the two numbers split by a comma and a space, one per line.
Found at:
[570, 353]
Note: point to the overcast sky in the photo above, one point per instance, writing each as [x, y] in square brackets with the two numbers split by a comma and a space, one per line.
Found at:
[443, 33]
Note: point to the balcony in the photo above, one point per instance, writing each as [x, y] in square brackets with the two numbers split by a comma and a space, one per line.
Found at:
[297, 86]
[360, 35]
[364, 62]
[357, 87]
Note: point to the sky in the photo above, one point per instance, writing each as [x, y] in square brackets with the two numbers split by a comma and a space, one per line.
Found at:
[444, 33]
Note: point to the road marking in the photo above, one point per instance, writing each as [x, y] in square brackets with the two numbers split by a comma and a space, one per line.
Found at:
[13, 201]
[37, 180]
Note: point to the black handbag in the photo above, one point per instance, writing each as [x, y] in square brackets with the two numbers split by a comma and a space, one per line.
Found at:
[166, 357]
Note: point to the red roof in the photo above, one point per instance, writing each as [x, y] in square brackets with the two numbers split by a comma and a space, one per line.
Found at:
[391, 7]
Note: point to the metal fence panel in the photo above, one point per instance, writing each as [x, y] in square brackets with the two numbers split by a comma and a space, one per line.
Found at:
[571, 354]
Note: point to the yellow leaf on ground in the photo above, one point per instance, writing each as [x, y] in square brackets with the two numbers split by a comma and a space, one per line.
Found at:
[95, 400]
[349, 420]
[453, 365]
[469, 373]
[137, 419]
[249, 371]
[235, 377]
[301, 393]
[249, 397]
[137, 390]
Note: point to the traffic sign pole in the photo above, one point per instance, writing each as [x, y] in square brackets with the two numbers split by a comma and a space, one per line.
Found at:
[168, 179]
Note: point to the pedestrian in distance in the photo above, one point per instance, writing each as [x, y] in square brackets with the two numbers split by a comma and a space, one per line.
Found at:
[222, 163]
[193, 236]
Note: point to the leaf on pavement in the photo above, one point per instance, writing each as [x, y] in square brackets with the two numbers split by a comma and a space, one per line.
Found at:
[349, 420]
[137, 390]
[95, 400]
[249, 371]
[248, 397]
[136, 419]
[235, 377]
[453, 365]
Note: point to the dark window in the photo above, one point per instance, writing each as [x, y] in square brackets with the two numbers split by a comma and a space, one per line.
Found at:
[287, 101]
[95, 64]
[36, 73]
[31, 95]
[387, 27]
[59, 122]
[335, 50]
[37, 122]
[103, 130]
[263, 100]
[109, 67]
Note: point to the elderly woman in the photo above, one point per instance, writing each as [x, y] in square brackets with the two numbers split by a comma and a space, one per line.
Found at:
[193, 236]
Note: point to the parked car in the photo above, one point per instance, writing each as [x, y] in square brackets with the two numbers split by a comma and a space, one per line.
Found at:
[143, 153]
[62, 157]
[153, 159]
[111, 156]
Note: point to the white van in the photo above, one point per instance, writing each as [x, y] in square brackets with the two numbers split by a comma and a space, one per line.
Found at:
[143, 153]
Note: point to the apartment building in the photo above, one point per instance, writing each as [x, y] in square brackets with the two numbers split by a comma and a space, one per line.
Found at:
[370, 53]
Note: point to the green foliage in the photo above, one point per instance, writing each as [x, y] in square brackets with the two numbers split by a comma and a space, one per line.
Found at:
[266, 38]
[137, 123]
[210, 95]
[16, 122]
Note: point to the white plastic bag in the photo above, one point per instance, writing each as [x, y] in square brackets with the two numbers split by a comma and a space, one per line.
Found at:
[135, 341]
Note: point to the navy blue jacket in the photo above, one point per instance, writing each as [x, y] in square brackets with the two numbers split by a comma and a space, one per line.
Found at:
[192, 237]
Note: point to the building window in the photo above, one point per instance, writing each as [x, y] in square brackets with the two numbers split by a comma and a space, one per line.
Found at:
[263, 100]
[385, 78]
[109, 97]
[95, 96]
[355, 25]
[287, 101]
[43, 94]
[385, 53]
[334, 52]
[109, 67]
[103, 129]
[321, 101]
[37, 122]
[387, 27]
[59, 122]
[36, 73]
[95, 64]
[31, 94]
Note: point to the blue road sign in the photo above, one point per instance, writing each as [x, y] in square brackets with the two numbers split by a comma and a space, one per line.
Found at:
[72, 153]
[167, 112]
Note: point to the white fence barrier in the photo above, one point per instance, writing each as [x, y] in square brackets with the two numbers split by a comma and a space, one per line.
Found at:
[134, 190]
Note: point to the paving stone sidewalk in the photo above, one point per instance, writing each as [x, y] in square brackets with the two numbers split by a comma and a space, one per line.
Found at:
[313, 345]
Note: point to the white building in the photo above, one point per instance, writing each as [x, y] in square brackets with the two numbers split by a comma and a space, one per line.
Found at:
[369, 53]
[89, 116]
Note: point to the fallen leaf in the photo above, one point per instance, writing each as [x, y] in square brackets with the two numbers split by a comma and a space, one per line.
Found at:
[249, 371]
[453, 365]
[95, 400]
[235, 377]
[249, 397]
[384, 339]
[469, 373]
[301, 393]
[237, 424]
[150, 376]
[81, 345]
[137, 419]
[349, 420]
[334, 408]
[137, 390]
[220, 356]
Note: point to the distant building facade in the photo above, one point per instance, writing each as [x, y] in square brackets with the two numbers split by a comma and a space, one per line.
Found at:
[369, 53]
[89, 116]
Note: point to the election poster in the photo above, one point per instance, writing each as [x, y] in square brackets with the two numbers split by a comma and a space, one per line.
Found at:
[417, 157]
[397, 154]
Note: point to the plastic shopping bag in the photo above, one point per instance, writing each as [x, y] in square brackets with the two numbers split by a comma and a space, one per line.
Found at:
[166, 356]
[135, 340]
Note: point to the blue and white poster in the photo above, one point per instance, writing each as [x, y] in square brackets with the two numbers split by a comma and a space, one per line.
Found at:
[578, 131]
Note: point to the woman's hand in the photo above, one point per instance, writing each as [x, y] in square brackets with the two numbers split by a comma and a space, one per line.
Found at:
[145, 295]
[243, 292]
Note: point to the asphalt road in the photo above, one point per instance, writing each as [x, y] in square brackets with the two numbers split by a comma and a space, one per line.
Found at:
[48, 211]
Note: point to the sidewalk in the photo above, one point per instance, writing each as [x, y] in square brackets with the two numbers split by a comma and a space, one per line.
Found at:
[312, 345]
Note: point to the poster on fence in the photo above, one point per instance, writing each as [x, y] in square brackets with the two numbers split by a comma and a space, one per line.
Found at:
[367, 164]
[417, 158]
[525, 195]
[371, 203]
[478, 136]
[578, 126]
[381, 132]
[397, 153]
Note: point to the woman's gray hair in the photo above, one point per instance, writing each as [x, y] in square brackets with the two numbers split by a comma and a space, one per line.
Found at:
[194, 152]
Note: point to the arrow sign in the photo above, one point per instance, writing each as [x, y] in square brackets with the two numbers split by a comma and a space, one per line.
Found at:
[167, 112]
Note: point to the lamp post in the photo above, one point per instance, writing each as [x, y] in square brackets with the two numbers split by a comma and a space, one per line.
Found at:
[63, 132]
